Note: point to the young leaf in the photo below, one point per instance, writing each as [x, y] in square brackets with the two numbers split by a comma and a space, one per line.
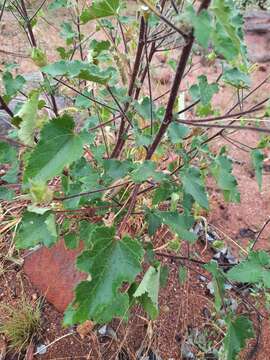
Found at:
[218, 282]
[239, 330]
[8, 155]
[202, 25]
[236, 78]
[145, 171]
[12, 85]
[228, 23]
[203, 90]
[177, 132]
[253, 270]
[110, 263]
[149, 287]
[78, 69]
[58, 147]
[193, 185]
[222, 172]
[257, 158]
[178, 223]
[36, 229]
[100, 9]
[28, 117]
[71, 240]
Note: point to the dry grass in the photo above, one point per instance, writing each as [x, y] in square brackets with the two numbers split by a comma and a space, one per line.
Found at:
[20, 323]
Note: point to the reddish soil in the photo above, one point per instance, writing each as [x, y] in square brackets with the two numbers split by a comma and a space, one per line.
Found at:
[182, 308]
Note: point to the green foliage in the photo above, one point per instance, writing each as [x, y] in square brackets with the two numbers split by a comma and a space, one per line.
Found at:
[218, 282]
[147, 291]
[222, 171]
[194, 186]
[27, 116]
[257, 158]
[239, 331]
[78, 69]
[122, 164]
[253, 270]
[100, 9]
[110, 262]
[36, 228]
[203, 90]
[12, 85]
[58, 147]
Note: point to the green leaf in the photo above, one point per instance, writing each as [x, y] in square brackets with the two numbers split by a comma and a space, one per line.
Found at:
[100, 9]
[12, 85]
[6, 194]
[257, 158]
[202, 25]
[227, 35]
[253, 270]
[36, 229]
[236, 78]
[239, 330]
[8, 155]
[67, 32]
[98, 47]
[203, 90]
[28, 116]
[218, 282]
[110, 263]
[154, 221]
[222, 172]
[71, 240]
[149, 287]
[58, 147]
[145, 171]
[39, 57]
[58, 4]
[193, 185]
[177, 132]
[117, 169]
[78, 69]
[178, 223]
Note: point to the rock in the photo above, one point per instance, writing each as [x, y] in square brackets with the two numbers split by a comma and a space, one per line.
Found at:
[107, 331]
[52, 271]
[41, 349]
[257, 28]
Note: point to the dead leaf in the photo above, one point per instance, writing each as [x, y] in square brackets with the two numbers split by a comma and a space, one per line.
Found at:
[85, 328]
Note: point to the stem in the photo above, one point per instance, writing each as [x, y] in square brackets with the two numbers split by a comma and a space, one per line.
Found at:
[168, 117]
[120, 141]
[5, 107]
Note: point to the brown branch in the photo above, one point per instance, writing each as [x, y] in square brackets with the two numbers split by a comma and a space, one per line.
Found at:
[120, 141]
[5, 107]
[90, 192]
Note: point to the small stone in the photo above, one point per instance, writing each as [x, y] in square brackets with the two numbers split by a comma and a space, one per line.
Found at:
[108, 331]
[165, 309]
[41, 349]
[34, 296]
[85, 328]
